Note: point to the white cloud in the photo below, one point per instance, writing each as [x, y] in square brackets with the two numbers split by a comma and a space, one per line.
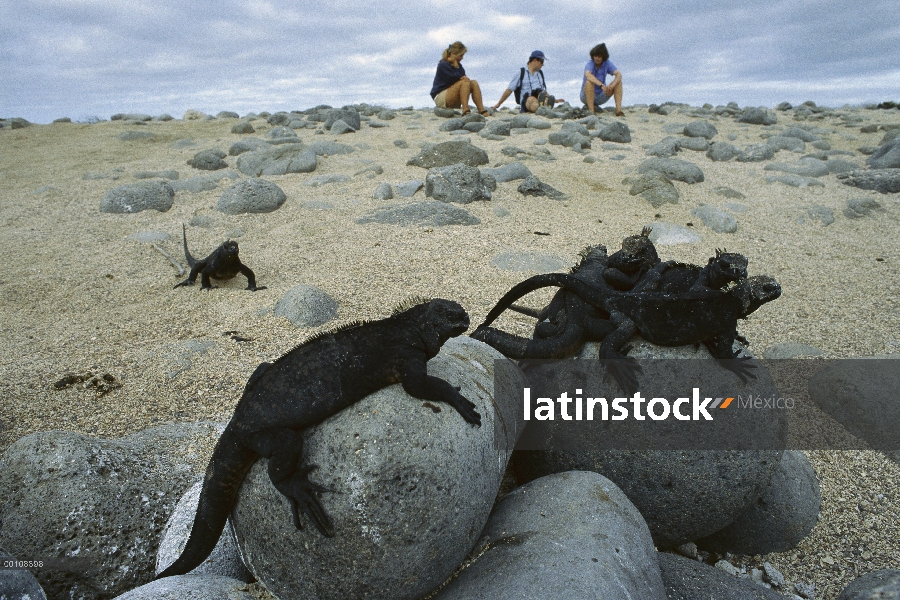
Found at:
[514, 22]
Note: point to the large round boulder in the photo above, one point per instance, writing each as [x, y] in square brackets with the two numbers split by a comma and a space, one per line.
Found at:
[783, 515]
[687, 480]
[251, 196]
[568, 535]
[135, 197]
[411, 484]
[65, 494]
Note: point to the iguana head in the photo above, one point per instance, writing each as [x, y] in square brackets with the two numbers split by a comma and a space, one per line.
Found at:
[756, 291]
[726, 266]
[230, 248]
[447, 317]
[438, 320]
[637, 252]
[590, 255]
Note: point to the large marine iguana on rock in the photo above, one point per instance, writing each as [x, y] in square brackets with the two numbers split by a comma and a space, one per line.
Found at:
[223, 263]
[312, 382]
[701, 314]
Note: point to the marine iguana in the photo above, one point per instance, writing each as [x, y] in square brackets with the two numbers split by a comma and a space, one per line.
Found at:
[632, 261]
[621, 270]
[675, 277]
[577, 322]
[223, 263]
[315, 380]
[668, 319]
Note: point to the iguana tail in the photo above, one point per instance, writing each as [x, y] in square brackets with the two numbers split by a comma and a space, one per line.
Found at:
[191, 261]
[589, 293]
[227, 468]
[531, 312]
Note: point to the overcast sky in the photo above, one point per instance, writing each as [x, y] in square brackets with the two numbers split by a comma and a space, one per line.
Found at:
[85, 58]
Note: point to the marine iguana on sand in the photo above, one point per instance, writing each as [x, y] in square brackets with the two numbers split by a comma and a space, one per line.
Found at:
[223, 263]
[315, 380]
[668, 319]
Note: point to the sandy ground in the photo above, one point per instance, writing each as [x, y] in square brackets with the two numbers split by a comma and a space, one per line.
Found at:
[76, 295]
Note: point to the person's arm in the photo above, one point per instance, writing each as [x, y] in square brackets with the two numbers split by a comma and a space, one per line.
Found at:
[503, 98]
[617, 77]
[589, 75]
[446, 74]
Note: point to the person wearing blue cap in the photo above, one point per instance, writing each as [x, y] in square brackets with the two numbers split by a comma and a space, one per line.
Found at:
[529, 86]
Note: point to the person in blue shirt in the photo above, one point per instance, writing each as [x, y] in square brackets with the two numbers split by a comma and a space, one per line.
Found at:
[594, 90]
[451, 87]
[529, 82]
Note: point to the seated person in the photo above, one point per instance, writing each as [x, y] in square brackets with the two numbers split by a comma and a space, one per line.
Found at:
[529, 86]
[594, 90]
[451, 87]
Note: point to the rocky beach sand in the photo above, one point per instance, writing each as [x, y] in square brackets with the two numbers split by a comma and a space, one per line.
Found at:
[348, 222]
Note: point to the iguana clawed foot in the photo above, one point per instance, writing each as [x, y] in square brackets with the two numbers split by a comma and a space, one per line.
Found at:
[624, 370]
[466, 408]
[302, 494]
[254, 288]
[740, 367]
[186, 282]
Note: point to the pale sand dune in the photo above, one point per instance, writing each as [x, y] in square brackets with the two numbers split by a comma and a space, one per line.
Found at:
[76, 295]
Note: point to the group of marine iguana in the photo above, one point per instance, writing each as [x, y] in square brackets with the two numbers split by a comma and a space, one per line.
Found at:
[608, 299]
[605, 298]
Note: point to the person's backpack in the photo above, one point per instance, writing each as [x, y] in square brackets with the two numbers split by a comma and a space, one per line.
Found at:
[518, 90]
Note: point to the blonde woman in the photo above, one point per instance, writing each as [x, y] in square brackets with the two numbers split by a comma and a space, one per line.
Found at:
[451, 88]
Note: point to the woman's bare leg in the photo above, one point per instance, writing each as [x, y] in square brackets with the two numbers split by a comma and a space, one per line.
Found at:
[476, 96]
[453, 95]
[465, 90]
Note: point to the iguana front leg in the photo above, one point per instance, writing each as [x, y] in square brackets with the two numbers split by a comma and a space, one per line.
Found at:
[251, 278]
[284, 449]
[650, 281]
[722, 349]
[613, 352]
[192, 276]
[419, 384]
[205, 283]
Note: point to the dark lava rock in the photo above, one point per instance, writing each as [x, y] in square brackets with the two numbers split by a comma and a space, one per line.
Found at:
[703, 129]
[885, 181]
[532, 186]
[688, 579]
[449, 153]
[430, 213]
[135, 197]
[877, 585]
[459, 183]
[105, 499]
[279, 160]
[209, 160]
[783, 515]
[673, 168]
[722, 151]
[251, 196]
[756, 153]
[568, 535]
[617, 131]
[306, 306]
